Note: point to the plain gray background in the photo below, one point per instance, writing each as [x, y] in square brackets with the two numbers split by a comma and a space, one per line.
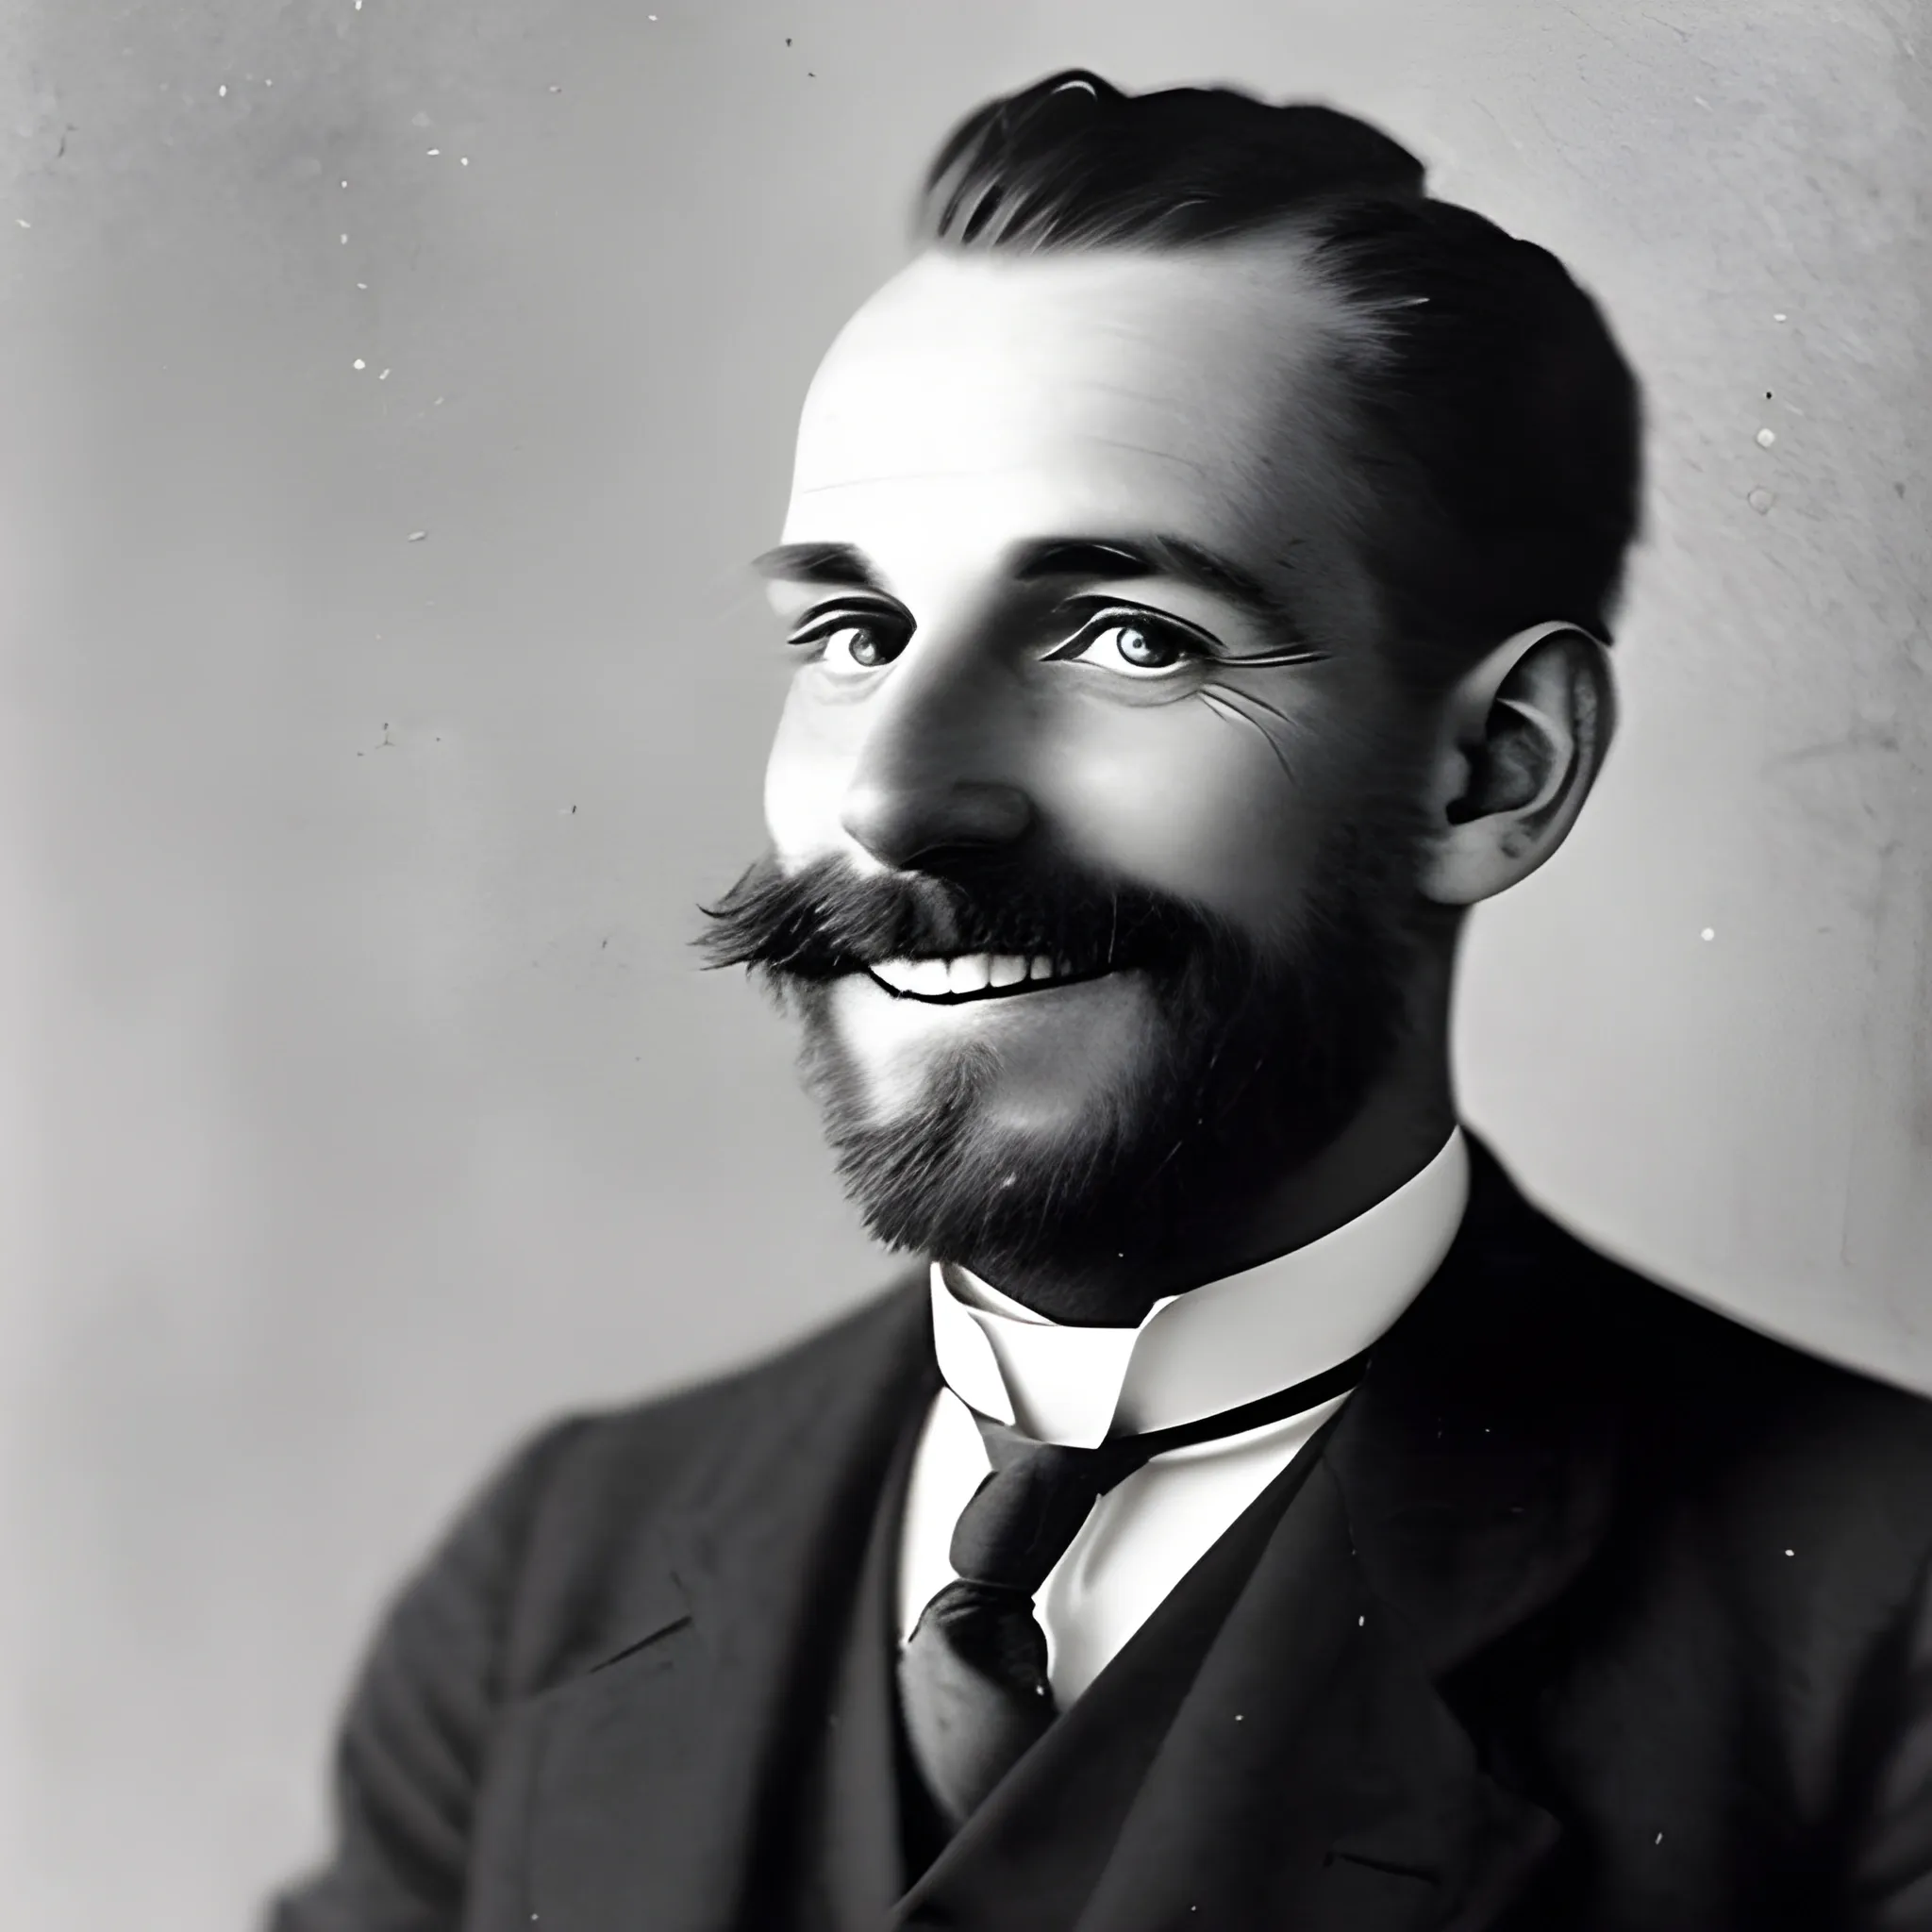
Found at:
[362, 1104]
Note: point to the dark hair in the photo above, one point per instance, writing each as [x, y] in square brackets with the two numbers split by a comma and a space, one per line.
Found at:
[1502, 421]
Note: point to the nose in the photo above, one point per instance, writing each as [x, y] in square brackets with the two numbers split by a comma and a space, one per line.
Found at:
[904, 822]
[936, 773]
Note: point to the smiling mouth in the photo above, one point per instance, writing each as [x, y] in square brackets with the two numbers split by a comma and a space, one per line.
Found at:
[968, 976]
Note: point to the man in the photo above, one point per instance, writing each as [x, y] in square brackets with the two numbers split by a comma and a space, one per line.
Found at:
[1199, 566]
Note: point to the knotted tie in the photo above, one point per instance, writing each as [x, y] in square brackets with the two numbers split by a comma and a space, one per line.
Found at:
[972, 1674]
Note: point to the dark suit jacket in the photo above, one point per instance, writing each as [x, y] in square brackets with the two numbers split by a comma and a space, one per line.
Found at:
[1591, 1609]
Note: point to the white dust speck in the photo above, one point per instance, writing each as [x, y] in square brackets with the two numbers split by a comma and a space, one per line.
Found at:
[1700, 100]
[223, 90]
[463, 159]
[23, 221]
[384, 377]
[1709, 932]
[1237, 1717]
[361, 285]
[1761, 500]
[1659, 1838]
[1791, 1552]
[1780, 316]
[1766, 438]
[437, 404]
[343, 240]
[555, 89]
[417, 536]
[359, 364]
[1362, 1623]
[432, 150]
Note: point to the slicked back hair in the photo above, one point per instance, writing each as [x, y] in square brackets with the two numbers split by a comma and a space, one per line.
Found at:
[1499, 421]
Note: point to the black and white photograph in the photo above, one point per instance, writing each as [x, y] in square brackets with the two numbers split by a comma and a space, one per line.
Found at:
[968, 967]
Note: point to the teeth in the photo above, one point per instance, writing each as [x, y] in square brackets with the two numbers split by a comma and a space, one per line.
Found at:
[969, 973]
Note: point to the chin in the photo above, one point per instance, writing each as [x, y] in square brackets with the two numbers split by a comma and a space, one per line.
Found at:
[1023, 1141]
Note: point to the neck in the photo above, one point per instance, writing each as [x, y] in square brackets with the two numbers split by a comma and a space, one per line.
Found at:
[1398, 1129]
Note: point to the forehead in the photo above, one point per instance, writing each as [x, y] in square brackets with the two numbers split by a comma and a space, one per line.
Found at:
[992, 396]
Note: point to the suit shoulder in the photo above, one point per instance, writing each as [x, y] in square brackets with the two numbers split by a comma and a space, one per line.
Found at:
[592, 1489]
[1693, 1354]
[1755, 1432]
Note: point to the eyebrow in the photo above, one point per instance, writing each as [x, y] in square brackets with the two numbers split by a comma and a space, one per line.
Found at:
[1120, 559]
[821, 563]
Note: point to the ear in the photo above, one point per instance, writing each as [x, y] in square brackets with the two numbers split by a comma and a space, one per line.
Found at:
[1522, 738]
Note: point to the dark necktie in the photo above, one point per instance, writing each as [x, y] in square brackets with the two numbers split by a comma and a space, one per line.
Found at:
[972, 1674]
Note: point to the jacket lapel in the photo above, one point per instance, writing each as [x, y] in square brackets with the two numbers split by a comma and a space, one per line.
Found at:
[1315, 1778]
[1478, 1459]
[663, 1782]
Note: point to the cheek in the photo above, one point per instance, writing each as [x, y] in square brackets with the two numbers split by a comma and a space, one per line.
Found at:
[1182, 797]
[806, 777]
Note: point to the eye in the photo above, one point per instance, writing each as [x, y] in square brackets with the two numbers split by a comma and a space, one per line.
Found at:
[1132, 642]
[853, 640]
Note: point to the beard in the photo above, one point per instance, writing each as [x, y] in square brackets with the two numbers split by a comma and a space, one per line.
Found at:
[1256, 1057]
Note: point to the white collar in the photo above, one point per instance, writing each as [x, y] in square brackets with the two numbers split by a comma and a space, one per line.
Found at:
[1230, 1342]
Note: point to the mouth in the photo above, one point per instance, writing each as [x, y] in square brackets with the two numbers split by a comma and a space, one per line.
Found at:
[967, 977]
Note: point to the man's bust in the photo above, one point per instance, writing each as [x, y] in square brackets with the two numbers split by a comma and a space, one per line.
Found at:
[1248, 1511]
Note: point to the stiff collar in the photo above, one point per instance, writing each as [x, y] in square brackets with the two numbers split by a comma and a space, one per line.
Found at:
[1217, 1346]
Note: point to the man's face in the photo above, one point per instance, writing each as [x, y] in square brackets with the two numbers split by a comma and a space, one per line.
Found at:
[1092, 773]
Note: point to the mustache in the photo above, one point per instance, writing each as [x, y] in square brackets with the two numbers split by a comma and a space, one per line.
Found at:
[826, 919]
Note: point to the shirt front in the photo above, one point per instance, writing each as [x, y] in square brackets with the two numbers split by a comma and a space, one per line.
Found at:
[1214, 1348]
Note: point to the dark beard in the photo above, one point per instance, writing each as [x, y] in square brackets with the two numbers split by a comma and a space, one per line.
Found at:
[1256, 1060]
